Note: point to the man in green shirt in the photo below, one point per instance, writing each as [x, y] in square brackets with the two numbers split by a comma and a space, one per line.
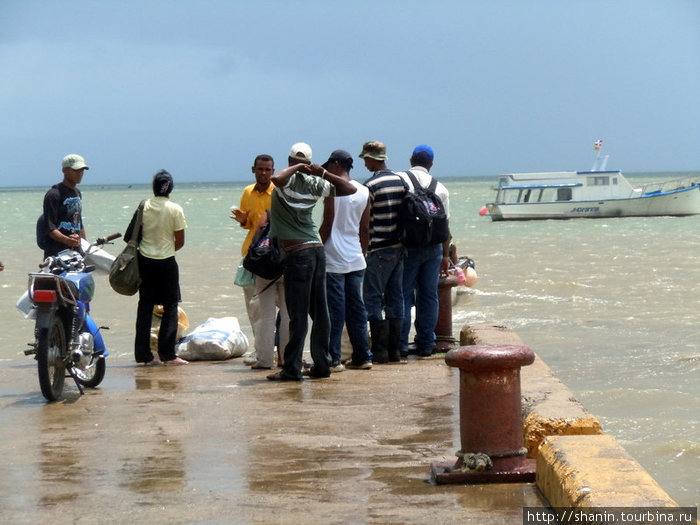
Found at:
[297, 190]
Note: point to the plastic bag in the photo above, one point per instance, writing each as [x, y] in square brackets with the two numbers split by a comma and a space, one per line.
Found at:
[214, 340]
[244, 277]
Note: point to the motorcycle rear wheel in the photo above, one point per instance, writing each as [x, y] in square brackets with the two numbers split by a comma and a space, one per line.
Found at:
[50, 355]
[92, 375]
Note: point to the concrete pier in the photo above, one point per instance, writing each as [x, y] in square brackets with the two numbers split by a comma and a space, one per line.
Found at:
[215, 442]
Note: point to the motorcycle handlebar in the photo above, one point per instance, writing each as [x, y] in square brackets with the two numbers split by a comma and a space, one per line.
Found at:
[109, 238]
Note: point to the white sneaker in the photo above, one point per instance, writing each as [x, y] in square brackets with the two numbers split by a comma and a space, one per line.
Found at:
[338, 368]
[250, 360]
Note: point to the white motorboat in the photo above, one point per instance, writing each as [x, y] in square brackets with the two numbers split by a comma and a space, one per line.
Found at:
[589, 194]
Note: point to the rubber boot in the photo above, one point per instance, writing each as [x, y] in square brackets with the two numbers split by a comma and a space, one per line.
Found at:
[379, 335]
[394, 341]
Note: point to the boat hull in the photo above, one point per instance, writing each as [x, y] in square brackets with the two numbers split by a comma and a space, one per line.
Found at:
[681, 202]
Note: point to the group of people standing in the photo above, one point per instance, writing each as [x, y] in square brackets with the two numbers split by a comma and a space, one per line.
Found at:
[349, 271]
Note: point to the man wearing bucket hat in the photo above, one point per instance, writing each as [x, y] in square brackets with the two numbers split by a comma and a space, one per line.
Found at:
[63, 206]
[382, 287]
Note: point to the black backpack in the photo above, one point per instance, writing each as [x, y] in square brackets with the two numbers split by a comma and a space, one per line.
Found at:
[42, 232]
[422, 218]
[265, 257]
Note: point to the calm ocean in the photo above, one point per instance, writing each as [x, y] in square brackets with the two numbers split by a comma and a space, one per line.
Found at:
[610, 304]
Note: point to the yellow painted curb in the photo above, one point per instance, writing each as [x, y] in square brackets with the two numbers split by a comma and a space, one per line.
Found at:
[594, 472]
[537, 427]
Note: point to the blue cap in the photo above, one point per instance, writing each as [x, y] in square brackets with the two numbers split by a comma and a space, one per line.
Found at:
[423, 152]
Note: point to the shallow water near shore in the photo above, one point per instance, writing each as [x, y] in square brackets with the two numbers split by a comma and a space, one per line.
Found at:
[611, 305]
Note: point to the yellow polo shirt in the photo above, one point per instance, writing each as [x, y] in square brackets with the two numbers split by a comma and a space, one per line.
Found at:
[161, 219]
[256, 204]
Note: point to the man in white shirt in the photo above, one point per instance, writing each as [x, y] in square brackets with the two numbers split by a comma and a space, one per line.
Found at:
[345, 236]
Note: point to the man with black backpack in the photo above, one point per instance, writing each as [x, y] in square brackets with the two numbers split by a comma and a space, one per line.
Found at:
[425, 262]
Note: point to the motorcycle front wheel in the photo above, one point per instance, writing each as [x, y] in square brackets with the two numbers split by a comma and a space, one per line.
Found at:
[51, 349]
[93, 374]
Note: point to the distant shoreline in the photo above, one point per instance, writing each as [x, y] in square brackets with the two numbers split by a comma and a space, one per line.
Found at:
[365, 176]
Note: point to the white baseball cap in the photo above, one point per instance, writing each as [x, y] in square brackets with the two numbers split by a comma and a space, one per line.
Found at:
[75, 162]
[301, 151]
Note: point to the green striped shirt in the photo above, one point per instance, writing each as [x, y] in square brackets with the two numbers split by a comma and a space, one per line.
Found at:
[291, 207]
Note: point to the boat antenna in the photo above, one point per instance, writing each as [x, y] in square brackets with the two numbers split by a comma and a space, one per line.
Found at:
[600, 162]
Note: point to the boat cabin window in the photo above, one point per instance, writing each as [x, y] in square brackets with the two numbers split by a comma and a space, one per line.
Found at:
[599, 180]
[563, 194]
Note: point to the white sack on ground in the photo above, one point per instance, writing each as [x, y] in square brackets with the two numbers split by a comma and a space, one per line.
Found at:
[214, 340]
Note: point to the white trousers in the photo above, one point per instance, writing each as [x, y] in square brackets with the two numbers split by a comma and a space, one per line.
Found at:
[265, 306]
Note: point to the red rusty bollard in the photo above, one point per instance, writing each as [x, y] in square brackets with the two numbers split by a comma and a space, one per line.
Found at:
[443, 328]
[490, 418]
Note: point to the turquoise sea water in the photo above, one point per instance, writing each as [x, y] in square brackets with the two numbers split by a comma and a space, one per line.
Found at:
[610, 304]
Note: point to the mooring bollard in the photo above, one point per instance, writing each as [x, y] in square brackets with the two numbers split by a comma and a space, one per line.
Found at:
[490, 419]
[443, 328]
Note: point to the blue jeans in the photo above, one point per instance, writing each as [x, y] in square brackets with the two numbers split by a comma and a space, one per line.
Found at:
[346, 307]
[305, 295]
[382, 287]
[421, 273]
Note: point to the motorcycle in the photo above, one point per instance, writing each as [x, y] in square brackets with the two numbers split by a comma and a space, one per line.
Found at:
[66, 338]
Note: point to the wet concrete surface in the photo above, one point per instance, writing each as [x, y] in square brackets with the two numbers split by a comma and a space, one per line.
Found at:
[216, 442]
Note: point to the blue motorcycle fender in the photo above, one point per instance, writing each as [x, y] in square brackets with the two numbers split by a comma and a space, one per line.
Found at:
[97, 336]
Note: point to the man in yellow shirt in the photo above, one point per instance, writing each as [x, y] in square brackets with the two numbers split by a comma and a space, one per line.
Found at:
[252, 213]
[255, 200]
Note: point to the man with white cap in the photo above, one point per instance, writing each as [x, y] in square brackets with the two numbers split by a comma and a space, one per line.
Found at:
[298, 188]
[63, 207]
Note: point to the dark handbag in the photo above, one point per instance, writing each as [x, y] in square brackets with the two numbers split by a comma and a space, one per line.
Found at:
[124, 277]
[265, 257]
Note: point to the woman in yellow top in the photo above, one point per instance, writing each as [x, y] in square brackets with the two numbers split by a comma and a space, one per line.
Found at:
[162, 234]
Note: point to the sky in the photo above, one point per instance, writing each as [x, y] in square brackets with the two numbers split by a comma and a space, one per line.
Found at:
[201, 87]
